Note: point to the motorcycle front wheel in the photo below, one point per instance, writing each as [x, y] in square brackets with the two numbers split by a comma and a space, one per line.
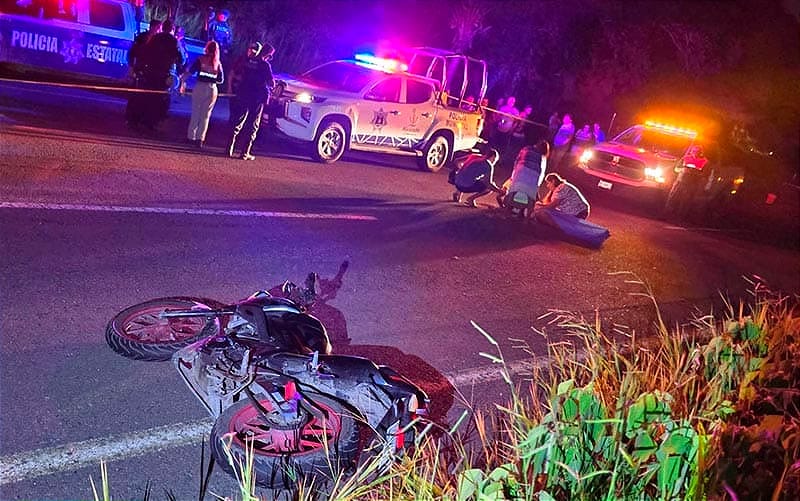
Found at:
[286, 451]
[138, 332]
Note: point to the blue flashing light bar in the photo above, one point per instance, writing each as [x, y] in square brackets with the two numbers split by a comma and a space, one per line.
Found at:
[383, 63]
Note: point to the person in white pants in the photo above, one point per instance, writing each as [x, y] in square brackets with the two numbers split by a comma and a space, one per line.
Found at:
[208, 69]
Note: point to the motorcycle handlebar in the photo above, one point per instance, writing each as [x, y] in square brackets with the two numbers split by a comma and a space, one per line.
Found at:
[196, 313]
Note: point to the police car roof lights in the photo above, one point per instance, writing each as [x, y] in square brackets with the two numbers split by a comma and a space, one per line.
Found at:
[671, 129]
[383, 63]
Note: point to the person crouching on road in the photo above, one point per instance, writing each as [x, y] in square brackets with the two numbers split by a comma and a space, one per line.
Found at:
[255, 86]
[565, 209]
[208, 69]
[476, 176]
[562, 197]
[529, 169]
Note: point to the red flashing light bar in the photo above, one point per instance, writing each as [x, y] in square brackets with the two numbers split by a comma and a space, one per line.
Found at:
[671, 129]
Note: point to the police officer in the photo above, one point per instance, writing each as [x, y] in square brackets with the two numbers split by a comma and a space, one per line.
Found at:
[135, 111]
[162, 55]
[220, 31]
[255, 85]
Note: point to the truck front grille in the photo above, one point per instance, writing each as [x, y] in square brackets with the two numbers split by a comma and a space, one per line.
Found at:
[627, 168]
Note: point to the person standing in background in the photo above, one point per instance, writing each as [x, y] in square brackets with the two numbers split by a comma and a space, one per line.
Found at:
[137, 65]
[563, 141]
[221, 32]
[598, 134]
[208, 69]
[506, 122]
[162, 56]
[180, 36]
[211, 15]
[552, 125]
[254, 89]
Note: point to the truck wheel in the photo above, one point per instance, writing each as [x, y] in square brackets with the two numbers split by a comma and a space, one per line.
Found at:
[435, 154]
[330, 142]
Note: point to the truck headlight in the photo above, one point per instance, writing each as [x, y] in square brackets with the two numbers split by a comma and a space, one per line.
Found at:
[654, 173]
[586, 156]
[304, 97]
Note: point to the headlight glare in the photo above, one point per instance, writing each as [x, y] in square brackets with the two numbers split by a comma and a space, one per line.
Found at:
[304, 97]
[654, 173]
[586, 156]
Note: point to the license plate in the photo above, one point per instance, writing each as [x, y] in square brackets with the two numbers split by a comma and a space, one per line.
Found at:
[605, 185]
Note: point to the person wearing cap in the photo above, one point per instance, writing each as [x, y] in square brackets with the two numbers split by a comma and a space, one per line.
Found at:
[255, 83]
[219, 30]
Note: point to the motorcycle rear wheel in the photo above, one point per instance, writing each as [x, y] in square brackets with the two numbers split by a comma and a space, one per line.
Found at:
[137, 332]
[285, 455]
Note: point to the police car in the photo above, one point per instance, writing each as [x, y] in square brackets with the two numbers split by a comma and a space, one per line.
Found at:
[77, 39]
[373, 104]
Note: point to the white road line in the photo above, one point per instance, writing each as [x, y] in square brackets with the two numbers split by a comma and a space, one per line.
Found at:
[711, 230]
[188, 211]
[70, 457]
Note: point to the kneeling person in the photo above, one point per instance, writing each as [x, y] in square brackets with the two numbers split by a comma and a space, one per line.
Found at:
[477, 177]
[522, 188]
[562, 197]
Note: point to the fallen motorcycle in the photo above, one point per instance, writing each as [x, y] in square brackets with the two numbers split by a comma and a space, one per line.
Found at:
[262, 368]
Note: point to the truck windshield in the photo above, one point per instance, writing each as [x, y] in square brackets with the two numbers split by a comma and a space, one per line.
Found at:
[656, 141]
[342, 75]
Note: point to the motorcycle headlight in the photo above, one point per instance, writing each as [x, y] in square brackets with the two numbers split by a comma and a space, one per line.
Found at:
[304, 97]
[654, 173]
[586, 156]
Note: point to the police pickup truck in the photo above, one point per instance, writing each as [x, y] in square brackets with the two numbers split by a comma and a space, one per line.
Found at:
[420, 107]
[70, 38]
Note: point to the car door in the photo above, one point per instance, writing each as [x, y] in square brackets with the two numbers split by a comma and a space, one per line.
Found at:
[380, 113]
[418, 110]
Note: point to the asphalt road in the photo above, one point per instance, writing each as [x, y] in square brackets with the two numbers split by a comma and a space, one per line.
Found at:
[93, 218]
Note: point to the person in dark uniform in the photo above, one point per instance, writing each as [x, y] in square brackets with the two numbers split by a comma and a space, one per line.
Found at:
[220, 31]
[162, 54]
[137, 65]
[255, 85]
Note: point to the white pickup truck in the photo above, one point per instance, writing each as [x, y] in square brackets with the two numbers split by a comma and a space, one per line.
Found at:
[421, 107]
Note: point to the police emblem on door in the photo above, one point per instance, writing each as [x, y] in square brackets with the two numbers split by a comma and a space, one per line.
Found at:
[379, 119]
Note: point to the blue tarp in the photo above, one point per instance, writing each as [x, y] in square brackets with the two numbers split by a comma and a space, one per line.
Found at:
[579, 230]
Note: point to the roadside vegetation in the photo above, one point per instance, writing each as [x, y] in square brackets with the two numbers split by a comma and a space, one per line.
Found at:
[709, 410]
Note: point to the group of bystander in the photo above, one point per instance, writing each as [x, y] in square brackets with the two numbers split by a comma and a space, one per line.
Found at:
[158, 62]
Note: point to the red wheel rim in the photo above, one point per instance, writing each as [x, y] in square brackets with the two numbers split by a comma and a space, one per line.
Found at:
[250, 428]
[145, 326]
